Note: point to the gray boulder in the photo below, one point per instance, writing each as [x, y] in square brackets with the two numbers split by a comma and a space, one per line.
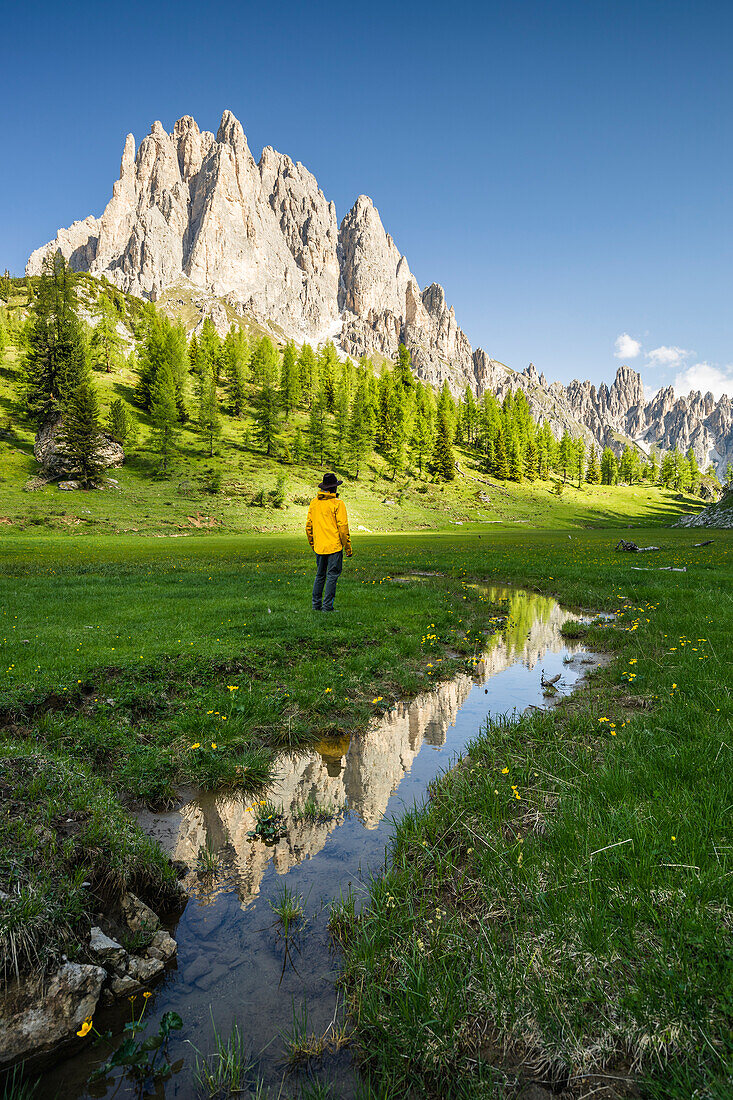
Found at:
[49, 450]
[37, 1014]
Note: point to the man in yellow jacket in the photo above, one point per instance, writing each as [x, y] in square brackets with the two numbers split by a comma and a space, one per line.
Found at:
[327, 530]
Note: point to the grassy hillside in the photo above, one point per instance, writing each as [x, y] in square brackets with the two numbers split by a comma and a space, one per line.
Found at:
[233, 490]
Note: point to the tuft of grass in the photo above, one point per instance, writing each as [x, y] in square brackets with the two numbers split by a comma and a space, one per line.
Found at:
[304, 1047]
[228, 1071]
[313, 812]
[16, 1086]
[288, 908]
[207, 861]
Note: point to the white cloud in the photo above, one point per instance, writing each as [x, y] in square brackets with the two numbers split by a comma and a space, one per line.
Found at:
[665, 356]
[704, 377]
[626, 347]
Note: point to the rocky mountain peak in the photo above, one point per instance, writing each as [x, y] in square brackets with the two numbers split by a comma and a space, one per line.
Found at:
[195, 207]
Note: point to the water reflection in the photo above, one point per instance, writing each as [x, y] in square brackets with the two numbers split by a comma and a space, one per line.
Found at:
[358, 775]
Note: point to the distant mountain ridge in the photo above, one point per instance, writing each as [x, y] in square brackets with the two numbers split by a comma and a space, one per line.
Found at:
[194, 208]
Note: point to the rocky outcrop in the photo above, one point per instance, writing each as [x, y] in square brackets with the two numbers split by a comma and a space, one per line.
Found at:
[718, 514]
[50, 451]
[36, 1015]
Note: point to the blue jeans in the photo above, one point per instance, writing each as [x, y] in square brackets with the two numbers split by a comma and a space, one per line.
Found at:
[328, 571]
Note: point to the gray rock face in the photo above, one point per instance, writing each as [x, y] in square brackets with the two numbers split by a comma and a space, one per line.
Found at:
[36, 1015]
[49, 450]
[196, 207]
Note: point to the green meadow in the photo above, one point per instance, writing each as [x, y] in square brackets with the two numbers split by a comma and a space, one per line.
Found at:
[559, 910]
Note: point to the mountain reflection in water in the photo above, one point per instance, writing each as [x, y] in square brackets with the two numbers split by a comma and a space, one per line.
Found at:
[354, 776]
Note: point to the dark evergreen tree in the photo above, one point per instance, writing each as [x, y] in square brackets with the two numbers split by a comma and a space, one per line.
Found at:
[81, 433]
[55, 361]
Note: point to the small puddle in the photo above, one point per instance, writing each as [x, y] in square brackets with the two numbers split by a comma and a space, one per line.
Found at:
[232, 964]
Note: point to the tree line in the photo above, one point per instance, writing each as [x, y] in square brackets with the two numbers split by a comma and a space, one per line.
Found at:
[293, 404]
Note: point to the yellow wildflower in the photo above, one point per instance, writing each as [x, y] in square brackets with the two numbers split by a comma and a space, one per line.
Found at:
[85, 1028]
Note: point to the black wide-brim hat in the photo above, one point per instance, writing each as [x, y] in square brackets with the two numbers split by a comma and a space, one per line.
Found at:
[329, 483]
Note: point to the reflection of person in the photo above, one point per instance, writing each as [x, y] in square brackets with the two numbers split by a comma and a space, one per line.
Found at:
[327, 530]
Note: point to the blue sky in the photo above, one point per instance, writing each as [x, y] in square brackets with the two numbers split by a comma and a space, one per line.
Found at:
[564, 169]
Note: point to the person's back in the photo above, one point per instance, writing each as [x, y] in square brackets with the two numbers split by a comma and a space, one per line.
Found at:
[327, 531]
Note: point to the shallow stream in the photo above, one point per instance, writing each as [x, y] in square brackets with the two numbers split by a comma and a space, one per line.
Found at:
[232, 963]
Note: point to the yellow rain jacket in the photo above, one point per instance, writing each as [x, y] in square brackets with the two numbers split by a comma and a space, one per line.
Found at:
[327, 526]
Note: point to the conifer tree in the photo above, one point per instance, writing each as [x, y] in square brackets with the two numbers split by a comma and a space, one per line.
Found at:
[501, 459]
[403, 368]
[667, 470]
[729, 475]
[210, 349]
[359, 436]
[209, 419]
[421, 433]
[289, 382]
[580, 460]
[298, 446]
[327, 364]
[593, 472]
[267, 414]
[81, 432]
[264, 362]
[55, 361]
[163, 347]
[235, 355]
[531, 466]
[516, 462]
[164, 415]
[567, 451]
[120, 424]
[341, 416]
[317, 432]
[609, 467]
[105, 342]
[307, 374]
[694, 470]
[443, 460]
